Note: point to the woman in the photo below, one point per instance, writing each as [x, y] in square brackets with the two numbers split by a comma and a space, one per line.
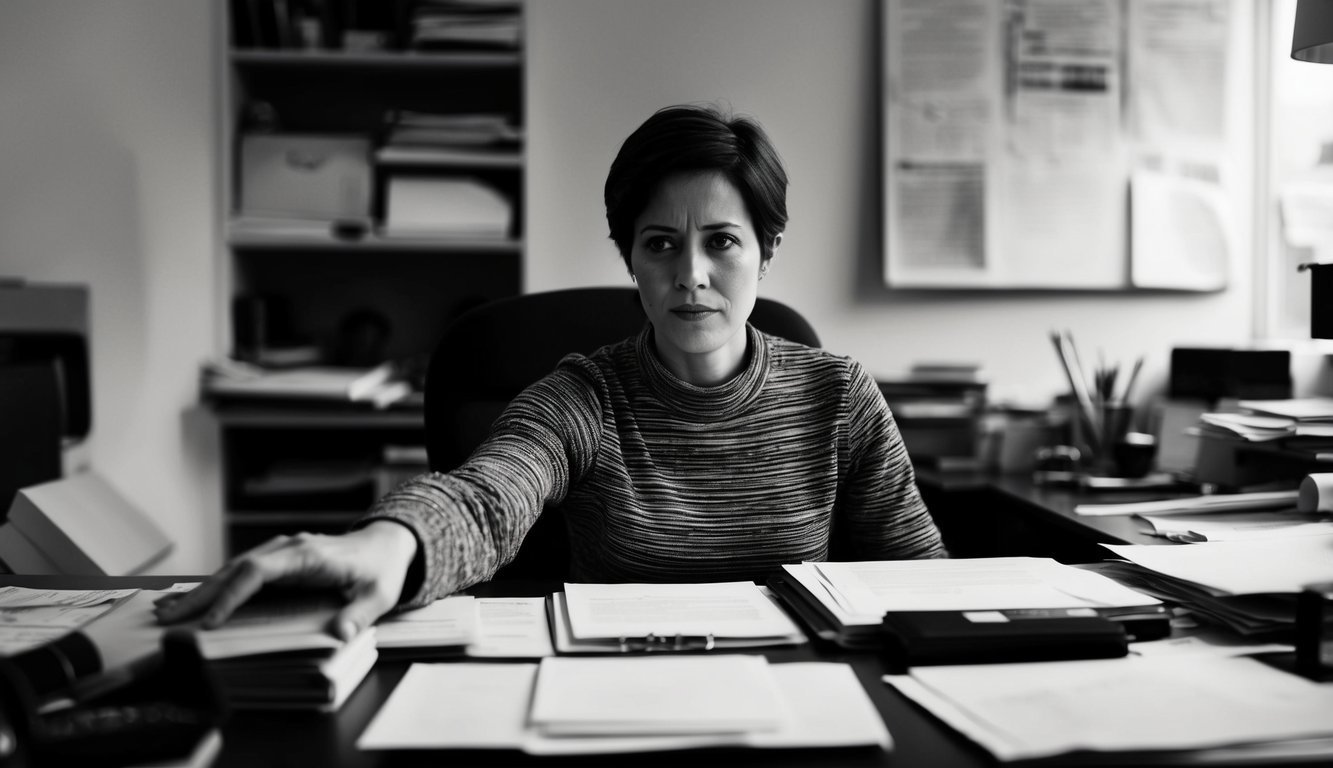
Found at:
[699, 450]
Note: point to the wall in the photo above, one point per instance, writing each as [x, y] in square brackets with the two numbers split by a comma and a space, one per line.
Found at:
[107, 179]
[808, 72]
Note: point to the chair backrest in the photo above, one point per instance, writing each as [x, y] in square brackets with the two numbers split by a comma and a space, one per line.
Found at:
[491, 353]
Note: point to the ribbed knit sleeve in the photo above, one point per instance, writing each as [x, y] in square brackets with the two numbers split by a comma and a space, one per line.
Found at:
[882, 516]
[469, 522]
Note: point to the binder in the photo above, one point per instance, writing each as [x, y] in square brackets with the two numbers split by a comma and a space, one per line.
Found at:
[1140, 622]
[913, 638]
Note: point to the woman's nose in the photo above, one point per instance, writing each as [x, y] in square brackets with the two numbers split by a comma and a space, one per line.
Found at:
[692, 268]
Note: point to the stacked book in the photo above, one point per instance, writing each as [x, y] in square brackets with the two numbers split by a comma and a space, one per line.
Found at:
[465, 25]
[231, 380]
[275, 653]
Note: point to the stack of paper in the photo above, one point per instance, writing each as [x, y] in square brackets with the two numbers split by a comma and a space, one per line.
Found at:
[1220, 708]
[276, 652]
[439, 206]
[597, 618]
[380, 386]
[1217, 502]
[1248, 585]
[617, 705]
[847, 601]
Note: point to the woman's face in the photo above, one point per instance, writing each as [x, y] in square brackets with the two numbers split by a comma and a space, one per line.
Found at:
[696, 258]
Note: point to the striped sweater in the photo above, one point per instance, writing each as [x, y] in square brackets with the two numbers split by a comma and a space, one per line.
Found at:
[797, 458]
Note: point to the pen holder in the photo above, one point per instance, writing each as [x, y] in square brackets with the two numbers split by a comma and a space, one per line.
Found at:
[1106, 442]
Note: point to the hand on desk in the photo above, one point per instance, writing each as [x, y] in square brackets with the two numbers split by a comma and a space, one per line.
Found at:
[369, 565]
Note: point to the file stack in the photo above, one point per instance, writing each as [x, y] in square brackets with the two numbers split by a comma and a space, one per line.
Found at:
[275, 653]
[1248, 585]
[575, 706]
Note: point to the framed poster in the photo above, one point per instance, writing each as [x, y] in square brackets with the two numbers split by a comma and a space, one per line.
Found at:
[1016, 143]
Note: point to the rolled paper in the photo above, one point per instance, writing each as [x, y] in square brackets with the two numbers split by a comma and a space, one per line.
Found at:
[1316, 493]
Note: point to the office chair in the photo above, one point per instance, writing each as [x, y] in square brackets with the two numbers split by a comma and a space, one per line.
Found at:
[490, 353]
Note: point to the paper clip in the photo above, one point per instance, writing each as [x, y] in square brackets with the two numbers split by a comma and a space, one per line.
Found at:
[652, 642]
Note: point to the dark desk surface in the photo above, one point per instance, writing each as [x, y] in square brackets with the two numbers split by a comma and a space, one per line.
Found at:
[997, 515]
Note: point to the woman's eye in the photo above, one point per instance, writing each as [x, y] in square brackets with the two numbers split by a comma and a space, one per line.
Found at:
[721, 242]
[658, 244]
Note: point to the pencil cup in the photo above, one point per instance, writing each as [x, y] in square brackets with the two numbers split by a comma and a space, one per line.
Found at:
[1114, 420]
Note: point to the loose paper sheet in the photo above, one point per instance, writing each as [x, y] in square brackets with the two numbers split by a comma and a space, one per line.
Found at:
[725, 609]
[1019, 711]
[1240, 567]
[868, 589]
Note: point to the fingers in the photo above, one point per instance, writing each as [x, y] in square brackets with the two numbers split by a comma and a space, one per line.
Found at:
[231, 586]
[364, 609]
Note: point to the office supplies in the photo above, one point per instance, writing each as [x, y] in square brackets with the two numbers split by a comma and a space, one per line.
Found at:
[1189, 528]
[315, 679]
[275, 652]
[846, 602]
[655, 696]
[1134, 708]
[1247, 585]
[1314, 631]
[913, 638]
[167, 714]
[379, 385]
[445, 627]
[1301, 409]
[1315, 493]
[1217, 502]
[592, 618]
[1209, 374]
[489, 706]
[304, 176]
[512, 628]
[441, 206]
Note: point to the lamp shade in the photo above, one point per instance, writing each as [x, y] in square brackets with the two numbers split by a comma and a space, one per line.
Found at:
[1312, 34]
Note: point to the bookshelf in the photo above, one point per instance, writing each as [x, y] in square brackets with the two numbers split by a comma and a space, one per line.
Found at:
[374, 173]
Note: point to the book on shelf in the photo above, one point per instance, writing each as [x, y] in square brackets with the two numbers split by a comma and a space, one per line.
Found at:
[453, 25]
[474, 129]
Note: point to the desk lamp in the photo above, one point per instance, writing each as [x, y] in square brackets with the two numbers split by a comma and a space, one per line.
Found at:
[1312, 41]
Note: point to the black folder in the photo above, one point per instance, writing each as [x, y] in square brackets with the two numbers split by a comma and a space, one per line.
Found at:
[912, 638]
[1141, 622]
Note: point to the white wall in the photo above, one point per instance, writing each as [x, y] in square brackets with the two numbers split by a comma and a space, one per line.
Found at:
[107, 141]
[808, 72]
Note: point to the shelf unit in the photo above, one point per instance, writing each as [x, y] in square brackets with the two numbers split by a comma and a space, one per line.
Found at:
[355, 292]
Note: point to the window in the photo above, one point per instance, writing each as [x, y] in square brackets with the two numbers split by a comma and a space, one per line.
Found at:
[1295, 179]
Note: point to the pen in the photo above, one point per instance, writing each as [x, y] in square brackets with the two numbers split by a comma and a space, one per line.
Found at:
[652, 642]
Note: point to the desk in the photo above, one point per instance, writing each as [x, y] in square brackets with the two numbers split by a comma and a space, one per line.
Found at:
[1009, 515]
[307, 740]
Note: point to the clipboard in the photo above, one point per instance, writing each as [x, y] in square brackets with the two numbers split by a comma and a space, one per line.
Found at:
[567, 643]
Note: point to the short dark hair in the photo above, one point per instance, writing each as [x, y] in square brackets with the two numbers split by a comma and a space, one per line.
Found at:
[695, 138]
